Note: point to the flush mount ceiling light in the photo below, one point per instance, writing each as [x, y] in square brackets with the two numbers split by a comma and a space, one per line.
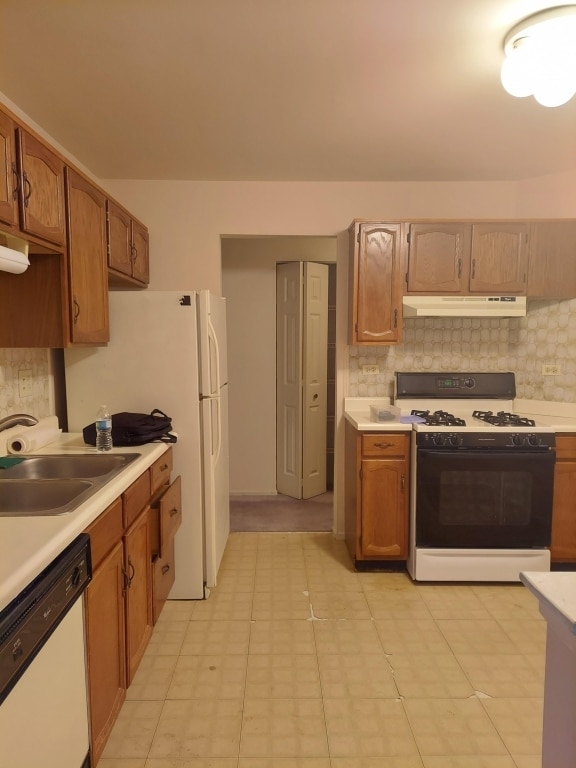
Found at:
[541, 57]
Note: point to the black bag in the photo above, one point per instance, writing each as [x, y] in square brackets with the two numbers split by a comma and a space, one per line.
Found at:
[135, 429]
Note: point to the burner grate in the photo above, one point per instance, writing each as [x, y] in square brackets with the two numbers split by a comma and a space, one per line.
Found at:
[439, 419]
[503, 419]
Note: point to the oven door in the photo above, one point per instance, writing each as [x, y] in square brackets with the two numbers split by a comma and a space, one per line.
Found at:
[474, 498]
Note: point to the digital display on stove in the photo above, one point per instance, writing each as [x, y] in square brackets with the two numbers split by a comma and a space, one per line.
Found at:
[448, 383]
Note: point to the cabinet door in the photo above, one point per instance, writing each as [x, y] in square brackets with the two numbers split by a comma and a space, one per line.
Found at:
[499, 258]
[563, 547]
[552, 259]
[377, 287]
[105, 642]
[438, 258]
[41, 190]
[88, 288]
[8, 207]
[140, 259]
[384, 490]
[119, 239]
[139, 592]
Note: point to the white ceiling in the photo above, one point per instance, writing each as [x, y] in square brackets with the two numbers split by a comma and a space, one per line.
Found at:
[318, 90]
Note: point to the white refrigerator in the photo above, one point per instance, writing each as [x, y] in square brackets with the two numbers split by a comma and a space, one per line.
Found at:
[168, 351]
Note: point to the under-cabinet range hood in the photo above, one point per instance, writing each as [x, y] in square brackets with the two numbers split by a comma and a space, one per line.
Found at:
[464, 306]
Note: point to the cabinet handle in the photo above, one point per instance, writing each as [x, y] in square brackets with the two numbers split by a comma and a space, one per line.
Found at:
[16, 181]
[128, 578]
[133, 252]
[459, 267]
[173, 511]
[403, 482]
[28, 188]
[395, 318]
[165, 569]
[164, 467]
[76, 309]
[383, 445]
[473, 268]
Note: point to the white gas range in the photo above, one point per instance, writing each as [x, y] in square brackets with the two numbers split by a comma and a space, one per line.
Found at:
[481, 478]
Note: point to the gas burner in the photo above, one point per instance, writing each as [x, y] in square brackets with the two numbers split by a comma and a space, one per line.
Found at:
[439, 419]
[503, 419]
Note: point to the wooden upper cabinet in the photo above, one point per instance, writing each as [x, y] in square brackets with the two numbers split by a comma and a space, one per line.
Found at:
[8, 197]
[127, 245]
[464, 258]
[439, 258]
[376, 282]
[552, 259]
[40, 189]
[499, 258]
[88, 281]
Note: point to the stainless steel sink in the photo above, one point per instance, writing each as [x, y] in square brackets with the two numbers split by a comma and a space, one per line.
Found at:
[42, 497]
[56, 484]
[67, 466]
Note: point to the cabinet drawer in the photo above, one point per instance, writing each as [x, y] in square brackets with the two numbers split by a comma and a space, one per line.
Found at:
[163, 577]
[565, 446]
[160, 471]
[105, 532]
[166, 516]
[389, 444]
[135, 498]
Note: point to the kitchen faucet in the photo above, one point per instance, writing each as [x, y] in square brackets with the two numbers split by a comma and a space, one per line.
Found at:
[17, 418]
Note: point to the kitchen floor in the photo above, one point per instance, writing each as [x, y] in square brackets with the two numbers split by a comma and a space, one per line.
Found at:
[297, 661]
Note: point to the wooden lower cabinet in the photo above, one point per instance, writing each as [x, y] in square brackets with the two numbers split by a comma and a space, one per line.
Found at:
[377, 494]
[106, 643]
[131, 543]
[138, 592]
[563, 548]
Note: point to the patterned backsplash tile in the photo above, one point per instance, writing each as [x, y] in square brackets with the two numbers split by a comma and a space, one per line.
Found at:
[38, 403]
[547, 335]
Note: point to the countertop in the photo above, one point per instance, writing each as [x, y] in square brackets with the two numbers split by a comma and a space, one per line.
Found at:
[357, 412]
[29, 544]
[561, 417]
[556, 592]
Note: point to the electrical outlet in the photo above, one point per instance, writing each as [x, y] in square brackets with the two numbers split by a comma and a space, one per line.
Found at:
[551, 370]
[25, 383]
[370, 370]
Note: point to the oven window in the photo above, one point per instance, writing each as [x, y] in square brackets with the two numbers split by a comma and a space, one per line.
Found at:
[483, 499]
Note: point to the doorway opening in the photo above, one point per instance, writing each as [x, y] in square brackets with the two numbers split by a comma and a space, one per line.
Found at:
[249, 285]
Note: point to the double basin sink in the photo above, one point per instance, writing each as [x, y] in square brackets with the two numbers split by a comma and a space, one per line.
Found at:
[55, 484]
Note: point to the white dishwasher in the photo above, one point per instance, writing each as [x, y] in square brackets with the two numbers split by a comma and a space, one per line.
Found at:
[43, 701]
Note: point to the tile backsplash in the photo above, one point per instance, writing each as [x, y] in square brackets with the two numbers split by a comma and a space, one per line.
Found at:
[39, 401]
[547, 335]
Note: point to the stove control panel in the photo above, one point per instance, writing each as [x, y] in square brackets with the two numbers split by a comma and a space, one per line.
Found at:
[485, 440]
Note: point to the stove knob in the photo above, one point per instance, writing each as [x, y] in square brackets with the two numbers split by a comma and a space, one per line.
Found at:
[438, 439]
[455, 440]
[469, 383]
[533, 440]
[518, 439]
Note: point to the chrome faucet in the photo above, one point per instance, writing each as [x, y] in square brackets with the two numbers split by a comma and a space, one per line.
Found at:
[17, 418]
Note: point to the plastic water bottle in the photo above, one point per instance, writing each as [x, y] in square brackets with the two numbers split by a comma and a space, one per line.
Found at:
[103, 429]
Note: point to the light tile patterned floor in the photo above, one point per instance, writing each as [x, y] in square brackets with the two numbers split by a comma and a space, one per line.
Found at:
[297, 661]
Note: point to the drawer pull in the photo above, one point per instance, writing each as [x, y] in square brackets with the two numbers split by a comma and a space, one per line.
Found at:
[173, 511]
[164, 467]
[165, 569]
[383, 445]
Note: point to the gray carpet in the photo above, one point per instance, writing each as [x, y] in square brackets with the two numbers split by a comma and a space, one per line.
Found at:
[281, 513]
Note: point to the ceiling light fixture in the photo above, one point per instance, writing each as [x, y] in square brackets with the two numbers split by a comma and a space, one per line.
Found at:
[541, 57]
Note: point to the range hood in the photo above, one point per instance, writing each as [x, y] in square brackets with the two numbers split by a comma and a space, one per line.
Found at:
[464, 306]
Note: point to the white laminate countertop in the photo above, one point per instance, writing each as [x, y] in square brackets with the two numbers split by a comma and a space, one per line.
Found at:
[560, 416]
[556, 592]
[357, 412]
[29, 544]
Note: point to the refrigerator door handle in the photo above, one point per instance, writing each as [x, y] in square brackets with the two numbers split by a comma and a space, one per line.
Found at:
[214, 339]
[219, 429]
